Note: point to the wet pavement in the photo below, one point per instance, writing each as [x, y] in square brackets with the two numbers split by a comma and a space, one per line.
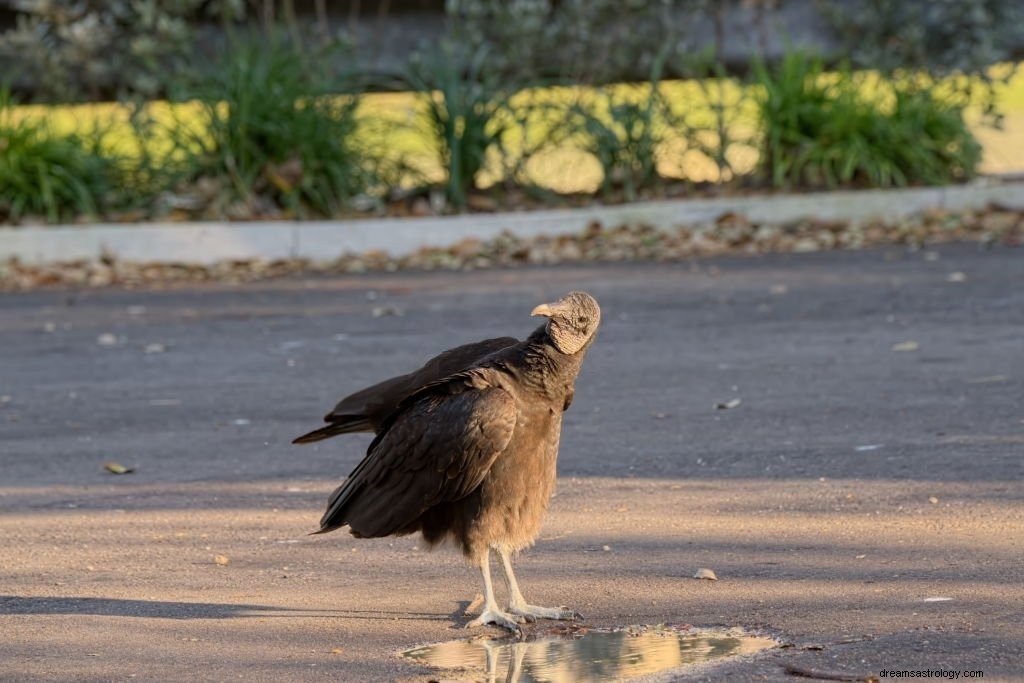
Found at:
[570, 655]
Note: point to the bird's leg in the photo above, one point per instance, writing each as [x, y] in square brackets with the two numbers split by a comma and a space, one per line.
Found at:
[517, 603]
[492, 614]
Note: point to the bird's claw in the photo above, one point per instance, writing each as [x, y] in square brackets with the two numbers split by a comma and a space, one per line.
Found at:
[500, 619]
[532, 612]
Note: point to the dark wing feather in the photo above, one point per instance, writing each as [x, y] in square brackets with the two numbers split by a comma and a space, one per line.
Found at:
[367, 410]
[437, 449]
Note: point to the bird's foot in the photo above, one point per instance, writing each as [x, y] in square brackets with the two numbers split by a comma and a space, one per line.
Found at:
[498, 618]
[533, 612]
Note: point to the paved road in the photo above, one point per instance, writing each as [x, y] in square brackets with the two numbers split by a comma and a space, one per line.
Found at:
[853, 482]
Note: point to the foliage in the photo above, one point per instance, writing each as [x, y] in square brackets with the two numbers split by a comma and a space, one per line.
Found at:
[581, 41]
[99, 48]
[625, 132]
[466, 105]
[938, 37]
[271, 126]
[828, 130]
[45, 174]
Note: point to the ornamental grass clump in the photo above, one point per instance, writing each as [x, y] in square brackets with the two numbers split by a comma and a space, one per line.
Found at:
[274, 128]
[51, 176]
[846, 129]
[467, 114]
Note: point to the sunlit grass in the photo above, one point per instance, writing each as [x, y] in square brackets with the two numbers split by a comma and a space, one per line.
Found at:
[395, 124]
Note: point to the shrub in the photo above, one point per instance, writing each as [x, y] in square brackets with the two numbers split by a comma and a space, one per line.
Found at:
[823, 130]
[46, 174]
[467, 113]
[940, 37]
[271, 124]
[95, 49]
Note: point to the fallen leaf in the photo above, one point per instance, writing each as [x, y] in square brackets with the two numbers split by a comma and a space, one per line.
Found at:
[988, 379]
[106, 339]
[222, 560]
[937, 599]
[956, 277]
[933, 500]
[117, 468]
[154, 348]
[707, 574]
[868, 447]
[726, 405]
[381, 311]
[337, 650]
[906, 346]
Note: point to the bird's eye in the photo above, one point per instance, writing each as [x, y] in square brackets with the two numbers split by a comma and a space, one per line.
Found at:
[584, 320]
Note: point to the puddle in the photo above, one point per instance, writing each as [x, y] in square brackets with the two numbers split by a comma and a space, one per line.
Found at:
[570, 654]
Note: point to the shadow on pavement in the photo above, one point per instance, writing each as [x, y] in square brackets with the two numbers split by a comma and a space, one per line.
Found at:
[157, 609]
[153, 609]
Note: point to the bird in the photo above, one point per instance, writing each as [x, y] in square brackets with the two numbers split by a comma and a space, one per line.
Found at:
[465, 449]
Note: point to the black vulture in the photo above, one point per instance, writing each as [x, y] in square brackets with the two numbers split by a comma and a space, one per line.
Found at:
[466, 448]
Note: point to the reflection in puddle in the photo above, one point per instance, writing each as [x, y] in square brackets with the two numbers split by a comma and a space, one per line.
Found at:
[587, 655]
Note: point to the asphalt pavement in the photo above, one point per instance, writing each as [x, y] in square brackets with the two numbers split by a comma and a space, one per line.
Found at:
[839, 436]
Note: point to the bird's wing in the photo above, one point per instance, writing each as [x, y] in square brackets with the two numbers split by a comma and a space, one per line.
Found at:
[368, 409]
[437, 448]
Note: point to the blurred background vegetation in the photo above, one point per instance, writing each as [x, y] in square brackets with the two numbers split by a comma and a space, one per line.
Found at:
[245, 109]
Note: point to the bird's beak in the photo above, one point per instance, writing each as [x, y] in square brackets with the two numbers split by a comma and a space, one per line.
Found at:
[545, 310]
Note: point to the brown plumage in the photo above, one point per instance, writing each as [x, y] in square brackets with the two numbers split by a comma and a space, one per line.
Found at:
[466, 447]
[368, 409]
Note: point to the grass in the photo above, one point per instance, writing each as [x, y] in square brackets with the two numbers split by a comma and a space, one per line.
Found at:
[853, 129]
[395, 121]
[56, 175]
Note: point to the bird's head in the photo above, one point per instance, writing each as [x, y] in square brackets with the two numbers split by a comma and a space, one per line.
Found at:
[572, 321]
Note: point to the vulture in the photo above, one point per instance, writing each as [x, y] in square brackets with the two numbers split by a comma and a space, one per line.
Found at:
[465, 448]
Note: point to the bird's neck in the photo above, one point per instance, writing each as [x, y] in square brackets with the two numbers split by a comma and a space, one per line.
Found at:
[546, 369]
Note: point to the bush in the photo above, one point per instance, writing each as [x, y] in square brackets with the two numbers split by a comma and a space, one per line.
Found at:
[96, 49]
[271, 124]
[847, 129]
[942, 38]
[46, 174]
[468, 113]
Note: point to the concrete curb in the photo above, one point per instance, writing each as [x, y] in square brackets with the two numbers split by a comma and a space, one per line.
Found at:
[210, 242]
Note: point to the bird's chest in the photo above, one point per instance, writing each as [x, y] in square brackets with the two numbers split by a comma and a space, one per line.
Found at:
[516, 492]
[537, 432]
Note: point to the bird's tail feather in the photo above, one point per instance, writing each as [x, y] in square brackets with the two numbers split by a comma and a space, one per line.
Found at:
[354, 424]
